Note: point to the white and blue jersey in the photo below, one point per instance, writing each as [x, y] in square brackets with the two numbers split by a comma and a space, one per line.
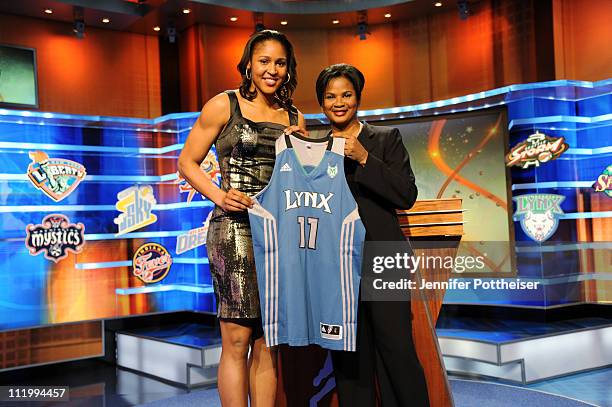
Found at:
[307, 241]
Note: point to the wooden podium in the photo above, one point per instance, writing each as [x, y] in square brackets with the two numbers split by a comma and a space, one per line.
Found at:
[440, 222]
[305, 375]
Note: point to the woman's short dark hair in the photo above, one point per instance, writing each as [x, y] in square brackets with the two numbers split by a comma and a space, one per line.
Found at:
[284, 93]
[351, 73]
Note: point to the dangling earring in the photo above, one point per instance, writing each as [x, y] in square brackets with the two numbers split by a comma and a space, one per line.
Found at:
[246, 73]
[288, 78]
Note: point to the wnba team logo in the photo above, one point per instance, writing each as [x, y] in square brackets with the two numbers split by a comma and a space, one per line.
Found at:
[332, 171]
[136, 204]
[538, 148]
[56, 177]
[210, 167]
[539, 214]
[193, 238]
[604, 182]
[151, 263]
[55, 236]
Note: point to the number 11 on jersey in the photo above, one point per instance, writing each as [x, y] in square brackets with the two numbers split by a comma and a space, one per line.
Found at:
[313, 224]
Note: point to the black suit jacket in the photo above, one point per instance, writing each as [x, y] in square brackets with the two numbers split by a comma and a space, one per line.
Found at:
[384, 184]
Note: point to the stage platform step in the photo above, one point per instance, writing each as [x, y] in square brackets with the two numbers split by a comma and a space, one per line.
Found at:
[524, 351]
[186, 354]
[514, 351]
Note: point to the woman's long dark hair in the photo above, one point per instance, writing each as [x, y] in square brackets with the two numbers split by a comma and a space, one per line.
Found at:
[284, 93]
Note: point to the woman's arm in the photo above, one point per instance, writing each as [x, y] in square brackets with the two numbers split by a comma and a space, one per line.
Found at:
[390, 176]
[213, 118]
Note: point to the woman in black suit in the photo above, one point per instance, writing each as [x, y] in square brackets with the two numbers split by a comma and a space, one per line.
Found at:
[378, 173]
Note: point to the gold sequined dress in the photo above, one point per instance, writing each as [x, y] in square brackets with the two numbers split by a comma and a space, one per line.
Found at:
[245, 150]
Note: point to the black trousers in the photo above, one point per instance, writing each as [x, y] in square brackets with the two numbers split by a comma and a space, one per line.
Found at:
[384, 349]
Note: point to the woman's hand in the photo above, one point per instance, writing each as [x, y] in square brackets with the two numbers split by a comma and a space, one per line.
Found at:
[235, 201]
[354, 150]
[296, 129]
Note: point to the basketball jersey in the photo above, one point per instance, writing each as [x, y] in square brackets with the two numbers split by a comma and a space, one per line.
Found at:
[307, 242]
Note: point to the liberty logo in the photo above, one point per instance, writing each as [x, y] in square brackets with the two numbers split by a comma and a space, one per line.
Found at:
[539, 214]
[136, 203]
[56, 177]
[333, 332]
[538, 148]
[604, 182]
[285, 168]
[297, 199]
[332, 171]
[55, 236]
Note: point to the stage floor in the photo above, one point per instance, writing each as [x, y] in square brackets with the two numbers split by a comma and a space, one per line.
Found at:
[96, 383]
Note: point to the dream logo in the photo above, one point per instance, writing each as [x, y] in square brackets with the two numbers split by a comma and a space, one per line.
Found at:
[604, 182]
[538, 148]
[193, 238]
[539, 214]
[55, 236]
[56, 177]
[136, 203]
[151, 263]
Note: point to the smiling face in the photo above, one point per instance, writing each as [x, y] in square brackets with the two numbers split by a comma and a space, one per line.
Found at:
[340, 102]
[268, 67]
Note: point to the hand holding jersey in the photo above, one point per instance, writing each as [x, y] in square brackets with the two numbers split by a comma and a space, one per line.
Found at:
[236, 201]
[353, 149]
[300, 130]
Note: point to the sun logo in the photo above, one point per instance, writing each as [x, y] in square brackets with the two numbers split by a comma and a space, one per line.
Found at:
[210, 167]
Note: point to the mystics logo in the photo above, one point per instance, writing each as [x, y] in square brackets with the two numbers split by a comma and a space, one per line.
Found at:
[136, 203]
[538, 148]
[539, 214]
[55, 236]
[151, 263]
[604, 182]
[210, 167]
[56, 177]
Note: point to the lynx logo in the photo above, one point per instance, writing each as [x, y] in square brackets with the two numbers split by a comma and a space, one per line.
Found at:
[55, 236]
[604, 182]
[538, 148]
[297, 199]
[56, 177]
[333, 332]
[332, 171]
[136, 203]
[539, 214]
[210, 167]
[151, 263]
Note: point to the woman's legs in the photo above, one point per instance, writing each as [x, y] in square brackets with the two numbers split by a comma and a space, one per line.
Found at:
[262, 374]
[401, 377]
[242, 374]
[232, 378]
